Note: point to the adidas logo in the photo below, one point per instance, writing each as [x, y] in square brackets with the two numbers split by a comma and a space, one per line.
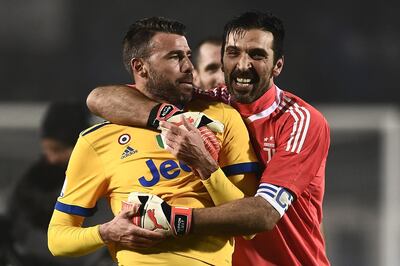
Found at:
[128, 152]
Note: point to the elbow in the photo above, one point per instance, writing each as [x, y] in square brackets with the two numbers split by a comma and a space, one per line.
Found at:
[269, 225]
[52, 246]
[269, 217]
[265, 223]
[92, 101]
[54, 243]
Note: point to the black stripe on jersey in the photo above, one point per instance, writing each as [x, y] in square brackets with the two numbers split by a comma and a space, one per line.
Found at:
[84, 133]
[75, 210]
[242, 168]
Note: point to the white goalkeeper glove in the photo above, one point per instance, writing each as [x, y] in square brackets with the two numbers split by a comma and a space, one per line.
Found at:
[155, 214]
[205, 124]
[171, 113]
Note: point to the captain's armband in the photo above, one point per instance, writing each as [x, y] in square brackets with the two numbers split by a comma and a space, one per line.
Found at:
[279, 197]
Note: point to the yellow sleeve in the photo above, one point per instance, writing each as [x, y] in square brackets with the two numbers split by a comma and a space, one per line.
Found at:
[237, 176]
[222, 189]
[84, 184]
[66, 237]
[85, 181]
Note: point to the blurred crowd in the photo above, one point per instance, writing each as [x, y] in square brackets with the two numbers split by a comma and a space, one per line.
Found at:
[24, 227]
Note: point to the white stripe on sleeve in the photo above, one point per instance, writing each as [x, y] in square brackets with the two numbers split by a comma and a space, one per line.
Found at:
[279, 197]
[301, 124]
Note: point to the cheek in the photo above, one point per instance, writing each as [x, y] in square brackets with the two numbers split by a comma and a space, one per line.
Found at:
[264, 70]
[228, 64]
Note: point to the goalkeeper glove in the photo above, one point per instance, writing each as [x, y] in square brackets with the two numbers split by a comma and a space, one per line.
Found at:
[172, 114]
[161, 112]
[197, 119]
[155, 214]
[206, 125]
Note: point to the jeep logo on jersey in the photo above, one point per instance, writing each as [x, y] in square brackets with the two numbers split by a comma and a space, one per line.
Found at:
[168, 169]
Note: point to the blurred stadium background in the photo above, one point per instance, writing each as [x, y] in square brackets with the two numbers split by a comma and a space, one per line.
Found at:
[342, 56]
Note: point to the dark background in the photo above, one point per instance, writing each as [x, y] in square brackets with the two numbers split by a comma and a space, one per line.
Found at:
[336, 51]
[342, 56]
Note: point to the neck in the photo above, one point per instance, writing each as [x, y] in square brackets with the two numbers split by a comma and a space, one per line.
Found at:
[141, 86]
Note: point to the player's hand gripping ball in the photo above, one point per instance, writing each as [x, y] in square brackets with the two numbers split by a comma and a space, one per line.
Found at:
[153, 213]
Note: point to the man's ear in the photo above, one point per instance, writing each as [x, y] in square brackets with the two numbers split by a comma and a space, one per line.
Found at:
[278, 67]
[138, 67]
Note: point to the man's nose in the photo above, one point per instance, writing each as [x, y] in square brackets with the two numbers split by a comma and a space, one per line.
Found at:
[219, 77]
[244, 62]
[187, 66]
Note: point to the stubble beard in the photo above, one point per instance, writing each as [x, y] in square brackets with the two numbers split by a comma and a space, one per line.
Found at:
[164, 90]
[248, 97]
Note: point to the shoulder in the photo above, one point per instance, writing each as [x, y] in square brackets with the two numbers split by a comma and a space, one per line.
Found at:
[216, 110]
[94, 128]
[297, 110]
[107, 132]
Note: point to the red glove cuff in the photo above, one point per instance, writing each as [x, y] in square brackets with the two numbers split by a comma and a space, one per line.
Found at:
[161, 112]
[181, 220]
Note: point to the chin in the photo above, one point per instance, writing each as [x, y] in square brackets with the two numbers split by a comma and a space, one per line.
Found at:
[186, 98]
[242, 97]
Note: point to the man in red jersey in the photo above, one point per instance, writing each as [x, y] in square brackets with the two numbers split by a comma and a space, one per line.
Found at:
[290, 136]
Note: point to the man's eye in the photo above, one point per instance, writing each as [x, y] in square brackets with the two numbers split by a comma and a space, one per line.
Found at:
[232, 53]
[257, 56]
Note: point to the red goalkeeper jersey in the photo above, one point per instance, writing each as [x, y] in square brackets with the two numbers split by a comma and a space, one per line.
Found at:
[291, 138]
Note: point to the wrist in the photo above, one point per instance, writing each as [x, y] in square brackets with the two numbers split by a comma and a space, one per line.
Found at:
[206, 169]
[181, 220]
[103, 232]
[161, 112]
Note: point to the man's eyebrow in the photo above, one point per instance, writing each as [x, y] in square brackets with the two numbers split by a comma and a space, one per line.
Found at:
[180, 52]
[212, 66]
[258, 50]
[232, 47]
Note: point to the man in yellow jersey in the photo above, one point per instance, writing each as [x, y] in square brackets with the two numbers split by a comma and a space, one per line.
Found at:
[112, 161]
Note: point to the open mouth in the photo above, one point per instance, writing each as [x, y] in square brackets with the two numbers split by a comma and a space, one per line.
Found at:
[243, 83]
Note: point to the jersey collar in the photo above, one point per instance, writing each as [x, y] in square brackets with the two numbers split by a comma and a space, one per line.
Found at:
[262, 107]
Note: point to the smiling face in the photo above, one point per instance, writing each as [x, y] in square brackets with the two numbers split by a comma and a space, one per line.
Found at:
[248, 62]
[169, 69]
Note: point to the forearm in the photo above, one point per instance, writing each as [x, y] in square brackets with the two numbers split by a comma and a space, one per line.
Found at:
[241, 217]
[120, 104]
[223, 189]
[67, 238]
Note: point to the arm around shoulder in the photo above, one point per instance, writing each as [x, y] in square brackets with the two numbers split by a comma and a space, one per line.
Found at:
[120, 104]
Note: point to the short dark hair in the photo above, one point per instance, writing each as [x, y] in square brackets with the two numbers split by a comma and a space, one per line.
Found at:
[257, 20]
[217, 41]
[137, 40]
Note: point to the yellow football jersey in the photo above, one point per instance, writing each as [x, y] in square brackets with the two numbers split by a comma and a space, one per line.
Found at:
[112, 160]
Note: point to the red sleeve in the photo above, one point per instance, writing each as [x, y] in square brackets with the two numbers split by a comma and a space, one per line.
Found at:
[302, 139]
